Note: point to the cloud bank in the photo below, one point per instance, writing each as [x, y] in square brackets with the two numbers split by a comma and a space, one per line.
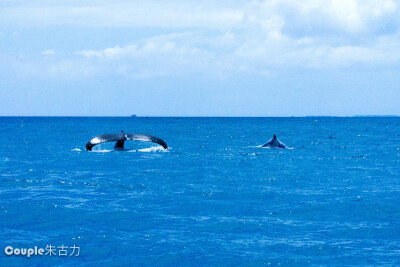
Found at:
[224, 38]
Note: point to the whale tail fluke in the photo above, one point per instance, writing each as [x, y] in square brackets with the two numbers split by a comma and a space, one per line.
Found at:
[121, 137]
[274, 143]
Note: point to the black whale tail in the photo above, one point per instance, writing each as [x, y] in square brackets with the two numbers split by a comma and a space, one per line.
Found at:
[121, 137]
[274, 143]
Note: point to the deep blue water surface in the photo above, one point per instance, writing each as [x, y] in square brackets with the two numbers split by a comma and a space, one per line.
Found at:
[214, 198]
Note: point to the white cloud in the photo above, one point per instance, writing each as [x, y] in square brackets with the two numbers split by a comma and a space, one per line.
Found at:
[49, 52]
[122, 13]
[223, 38]
[353, 16]
[157, 56]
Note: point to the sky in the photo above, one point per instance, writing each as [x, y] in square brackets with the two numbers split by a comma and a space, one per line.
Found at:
[199, 58]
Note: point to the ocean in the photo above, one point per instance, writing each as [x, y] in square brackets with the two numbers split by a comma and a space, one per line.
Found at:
[215, 198]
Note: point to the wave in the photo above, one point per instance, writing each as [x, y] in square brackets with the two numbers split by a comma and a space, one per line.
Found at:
[149, 149]
[261, 146]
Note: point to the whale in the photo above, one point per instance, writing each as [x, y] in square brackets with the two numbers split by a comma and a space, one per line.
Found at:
[274, 143]
[120, 139]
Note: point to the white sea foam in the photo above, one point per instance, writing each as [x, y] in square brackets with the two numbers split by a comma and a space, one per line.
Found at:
[102, 150]
[76, 149]
[5, 159]
[153, 149]
[150, 149]
[267, 147]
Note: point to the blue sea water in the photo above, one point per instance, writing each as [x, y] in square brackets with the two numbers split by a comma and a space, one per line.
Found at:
[213, 198]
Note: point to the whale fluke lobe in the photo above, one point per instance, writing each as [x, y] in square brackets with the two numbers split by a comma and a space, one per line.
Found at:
[121, 137]
[274, 143]
[146, 138]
